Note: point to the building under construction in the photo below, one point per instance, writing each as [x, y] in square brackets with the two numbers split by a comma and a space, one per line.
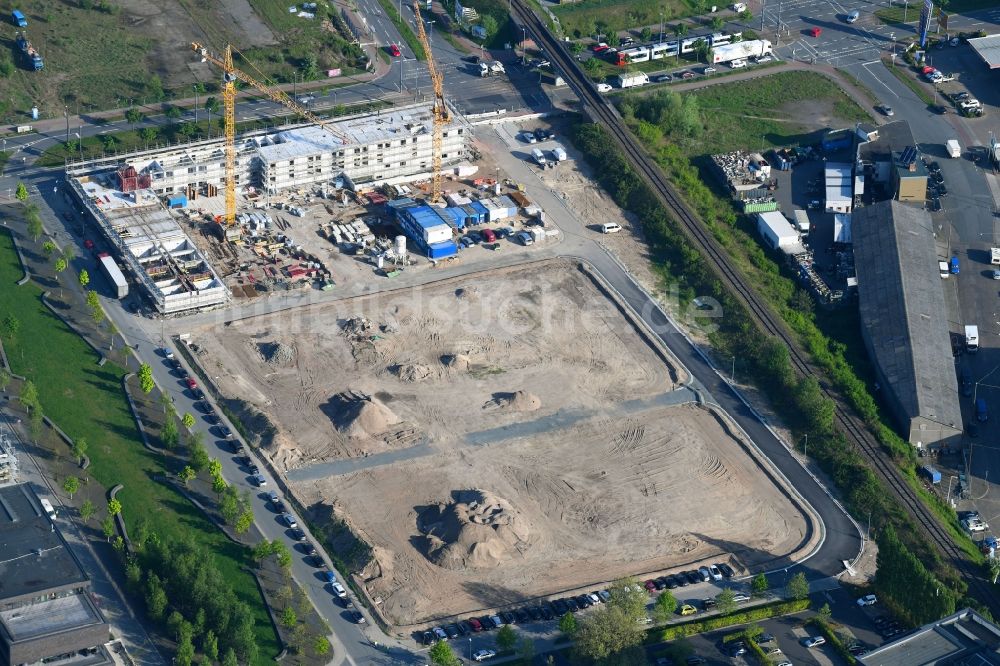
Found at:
[385, 147]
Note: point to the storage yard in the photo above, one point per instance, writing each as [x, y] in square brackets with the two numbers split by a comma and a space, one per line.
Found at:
[522, 393]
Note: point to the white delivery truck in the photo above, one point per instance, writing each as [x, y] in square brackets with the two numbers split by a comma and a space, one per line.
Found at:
[751, 48]
[954, 150]
[632, 80]
[972, 338]
[558, 153]
[114, 275]
[995, 256]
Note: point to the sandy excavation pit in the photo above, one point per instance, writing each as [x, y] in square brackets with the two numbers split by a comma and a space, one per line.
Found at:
[540, 448]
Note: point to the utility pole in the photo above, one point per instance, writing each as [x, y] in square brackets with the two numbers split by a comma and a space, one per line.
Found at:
[196, 102]
[805, 445]
[762, 7]
[66, 113]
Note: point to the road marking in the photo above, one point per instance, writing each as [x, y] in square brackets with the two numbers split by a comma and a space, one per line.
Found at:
[880, 80]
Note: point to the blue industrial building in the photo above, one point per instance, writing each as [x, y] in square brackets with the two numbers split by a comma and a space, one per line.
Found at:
[426, 226]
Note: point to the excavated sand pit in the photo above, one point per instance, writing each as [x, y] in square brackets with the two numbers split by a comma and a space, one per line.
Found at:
[499, 437]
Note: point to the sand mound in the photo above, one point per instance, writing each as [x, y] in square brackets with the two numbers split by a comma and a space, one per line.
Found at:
[457, 362]
[518, 401]
[364, 417]
[276, 353]
[476, 530]
[412, 372]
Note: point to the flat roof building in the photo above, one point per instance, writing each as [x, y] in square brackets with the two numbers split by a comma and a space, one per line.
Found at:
[965, 638]
[45, 605]
[903, 320]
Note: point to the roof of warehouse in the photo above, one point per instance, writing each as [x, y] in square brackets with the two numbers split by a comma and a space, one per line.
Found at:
[360, 131]
[33, 556]
[963, 639]
[901, 304]
[988, 49]
[778, 224]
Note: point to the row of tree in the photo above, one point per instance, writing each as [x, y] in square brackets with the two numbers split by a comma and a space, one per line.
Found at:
[905, 583]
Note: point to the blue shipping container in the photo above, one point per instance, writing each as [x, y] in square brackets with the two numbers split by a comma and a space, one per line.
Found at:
[930, 473]
[442, 250]
[177, 201]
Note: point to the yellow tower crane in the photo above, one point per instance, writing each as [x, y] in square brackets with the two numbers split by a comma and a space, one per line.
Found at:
[230, 76]
[441, 114]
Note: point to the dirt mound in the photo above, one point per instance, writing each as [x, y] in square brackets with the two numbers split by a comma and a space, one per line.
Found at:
[276, 353]
[476, 530]
[412, 372]
[457, 362]
[518, 401]
[364, 417]
[359, 327]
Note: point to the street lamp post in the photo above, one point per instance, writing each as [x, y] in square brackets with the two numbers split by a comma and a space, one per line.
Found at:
[195, 86]
[805, 445]
[66, 113]
[524, 38]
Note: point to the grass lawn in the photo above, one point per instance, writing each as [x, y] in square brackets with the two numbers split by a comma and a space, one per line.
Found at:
[780, 110]
[587, 17]
[87, 401]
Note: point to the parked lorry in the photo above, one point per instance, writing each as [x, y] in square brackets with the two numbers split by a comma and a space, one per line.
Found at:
[751, 48]
[972, 338]
[493, 68]
[31, 54]
[538, 156]
[954, 150]
[995, 256]
[115, 275]
[930, 473]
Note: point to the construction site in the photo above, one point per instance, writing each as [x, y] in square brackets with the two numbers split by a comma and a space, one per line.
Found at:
[405, 411]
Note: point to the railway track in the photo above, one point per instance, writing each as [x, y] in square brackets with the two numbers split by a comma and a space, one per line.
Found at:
[853, 427]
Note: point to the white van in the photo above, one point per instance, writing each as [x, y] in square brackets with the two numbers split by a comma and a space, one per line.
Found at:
[47, 505]
[739, 7]
[853, 16]
[610, 228]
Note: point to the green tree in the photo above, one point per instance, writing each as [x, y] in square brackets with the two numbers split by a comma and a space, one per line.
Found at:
[6, 66]
[526, 650]
[210, 645]
[717, 23]
[577, 47]
[645, 34]
[114, 507]
[608, 631]
[321, 646]
[746, 15]
[212, 104]
[5, 379]
[244, 522]
[22, 192]
[230, 658]
[489, 24]
[154, 87]
[185, 652]
[148, 135]
[156, 598]
[146, 382]
[901, 577]
[189, 129]
[186, 474]
[825, 612]
[567, 624]
[169, 436]
[29, 396]
[87, 511]
[664, 607]
[71, 485]
[702, 49]
[35, 228]
[60, 265]
[263, 550]
[592, 65]
[219, 484]
[110, 142]
[630, 597]
[133, 115]
[506, 638]
[215, 467]
[48, 248]
[199, 455]
[726, 601]
[442, 655]
[9, 327]
[173, 112]
[108, 527]
[284, 560]
[681, 29]
[229, 506]
[797, 587]
[187, 420]
[93, 301]
[759, 585]
[84, 277]
[68, 253]
[166, 402]
[288, 617]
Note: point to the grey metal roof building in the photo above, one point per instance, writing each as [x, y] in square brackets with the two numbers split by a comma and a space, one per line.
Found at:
[988, 49]
[963, 639]
[902, 320]
[45, 605]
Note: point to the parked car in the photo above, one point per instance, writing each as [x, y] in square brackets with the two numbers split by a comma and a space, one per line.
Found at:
[495, 621]
[814, 641]
[604, 595]
[483, 655]
[329, 577]
[705, 574]
[867, 600]
[572, 605]
[427, 638]
[761, 60]
[737, 64]
[357, 617]
[528, 137]
[650, 586]
[663, 78]
[709, 70]
[692, 577]
[451, 631]
[338, 590]
[525, 238]
[259, 480]
[672, 582]
[289, 520]
[440, 633]
[714, 572]
[489, 236]
[191, 383]
[727, 570]
[687, 609]
[486, 623]
[885, 110]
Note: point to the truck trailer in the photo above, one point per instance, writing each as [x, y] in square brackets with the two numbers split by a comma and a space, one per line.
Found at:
[954, 149]
[115, 275]
[752, 48]
[995, 256]
[632, 80]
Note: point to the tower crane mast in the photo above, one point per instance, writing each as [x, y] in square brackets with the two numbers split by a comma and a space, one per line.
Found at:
[441, 114]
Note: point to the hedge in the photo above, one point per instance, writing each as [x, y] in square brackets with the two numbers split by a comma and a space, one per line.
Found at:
[833, 639]
[764, 612]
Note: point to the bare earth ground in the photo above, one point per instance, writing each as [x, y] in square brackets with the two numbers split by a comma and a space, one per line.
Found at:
[551, 457]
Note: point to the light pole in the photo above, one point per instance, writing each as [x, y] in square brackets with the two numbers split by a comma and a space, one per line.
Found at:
[805, 445]
[470, 648]
[66, 113]
[196, 102]
[661, 27]
[524, 38]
